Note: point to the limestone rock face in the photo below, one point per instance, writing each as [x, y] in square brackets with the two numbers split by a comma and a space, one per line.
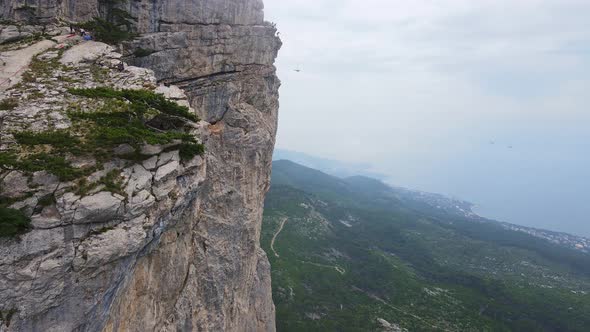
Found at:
[179, 252]
[151, 13]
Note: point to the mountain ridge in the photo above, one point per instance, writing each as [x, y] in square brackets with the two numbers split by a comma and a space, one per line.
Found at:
[450, 205]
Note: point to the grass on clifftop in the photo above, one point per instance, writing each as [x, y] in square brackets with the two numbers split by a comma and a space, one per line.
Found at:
[12, 222]
[43, 68]
[124, 117]
[54, 163]
[8, 104]
[141, 101]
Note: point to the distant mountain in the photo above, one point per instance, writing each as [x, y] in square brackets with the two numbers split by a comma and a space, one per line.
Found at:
[332, 167]
[353, 254]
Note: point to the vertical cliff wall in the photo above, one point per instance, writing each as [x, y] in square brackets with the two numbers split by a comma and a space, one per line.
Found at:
[199, 266]
[221, 54]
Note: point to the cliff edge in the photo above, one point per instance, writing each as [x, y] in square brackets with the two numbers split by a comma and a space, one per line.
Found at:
[149, 233]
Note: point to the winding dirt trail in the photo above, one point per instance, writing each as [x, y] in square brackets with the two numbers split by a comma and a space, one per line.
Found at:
[13, 63]
[335, 267]
[272, 242]
[376, 298]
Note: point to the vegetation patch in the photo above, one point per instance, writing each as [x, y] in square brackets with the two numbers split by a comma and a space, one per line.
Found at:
[115, 25]
[189, 150]
[141, 101]
[143, 52]
[43, 161]
[43, 68]
[6, 316]
[59, 139]
[43, 202]
[99, 74]
[112, 181]
[124, 117]
[26, 7]
[46, 200]
[103, 230]
[107, 32]
[13, 222]
[426, 269]
[8, 104]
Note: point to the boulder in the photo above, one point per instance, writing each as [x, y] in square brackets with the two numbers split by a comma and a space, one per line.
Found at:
[88, 51]
[14, 185]
[99, 208]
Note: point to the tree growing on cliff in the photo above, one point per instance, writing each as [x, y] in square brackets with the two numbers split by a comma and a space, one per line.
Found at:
[12, 222]
[114, 24]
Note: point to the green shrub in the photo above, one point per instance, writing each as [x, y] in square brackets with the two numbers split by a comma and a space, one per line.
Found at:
[107, 32]
[6, 317]
[13, 222]
[8, 104]
[108, 28]
[52, 163]
[142, 52]
[58, 139]
[83, 187]
[112, 129]
[103, 230]
[7, 161]
[26, 7]
[141, 101]
[46, 200]
[190, 150]
[113, 182]
[99, 73]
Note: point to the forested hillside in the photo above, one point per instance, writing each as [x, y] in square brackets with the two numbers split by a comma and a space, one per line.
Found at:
[356, 255]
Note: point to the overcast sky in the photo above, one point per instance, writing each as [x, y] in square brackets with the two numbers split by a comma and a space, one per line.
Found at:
[421, 88]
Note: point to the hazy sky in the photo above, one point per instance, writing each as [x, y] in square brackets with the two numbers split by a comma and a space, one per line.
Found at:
[421, 88]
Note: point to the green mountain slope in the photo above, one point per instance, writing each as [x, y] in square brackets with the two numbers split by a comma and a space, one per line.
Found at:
[347, 254]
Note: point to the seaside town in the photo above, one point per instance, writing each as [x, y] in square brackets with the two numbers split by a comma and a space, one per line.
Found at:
[567, 240]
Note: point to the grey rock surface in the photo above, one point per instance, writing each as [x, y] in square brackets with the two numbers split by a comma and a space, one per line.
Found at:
[12, 33]
[181, 251]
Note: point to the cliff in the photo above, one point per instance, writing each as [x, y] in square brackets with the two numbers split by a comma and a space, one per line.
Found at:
[158, 242]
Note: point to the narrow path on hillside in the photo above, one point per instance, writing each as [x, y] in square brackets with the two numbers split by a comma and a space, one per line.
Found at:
[335, 267]
[376, 298]
[16, 62]
[272, 242]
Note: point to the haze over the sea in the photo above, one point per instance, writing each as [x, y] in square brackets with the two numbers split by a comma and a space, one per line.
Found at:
[485, 100]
